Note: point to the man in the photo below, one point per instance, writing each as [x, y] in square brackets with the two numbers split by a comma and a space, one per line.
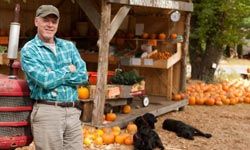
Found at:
[53, 68]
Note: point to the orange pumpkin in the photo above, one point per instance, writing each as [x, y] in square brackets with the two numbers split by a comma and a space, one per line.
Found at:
[126, 109]
[128, 140]
[177, 97]
[110, 116]
[173, 36]
[131, 128]
[191, 100]
[145, 35]
[83, 92]
[162, 36]
[108, 138]
[210, 101]
[119, 139]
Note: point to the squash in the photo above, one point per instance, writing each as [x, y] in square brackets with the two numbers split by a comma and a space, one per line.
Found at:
[83, 92]
[126, 109]
[162, 36]
[110, 116]
[128, 140]
[108, 138]
[131, 128]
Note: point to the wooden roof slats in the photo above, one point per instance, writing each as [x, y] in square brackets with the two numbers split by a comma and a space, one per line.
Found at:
[165, 4]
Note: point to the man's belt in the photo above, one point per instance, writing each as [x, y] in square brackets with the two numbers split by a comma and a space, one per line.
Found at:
[62, 104]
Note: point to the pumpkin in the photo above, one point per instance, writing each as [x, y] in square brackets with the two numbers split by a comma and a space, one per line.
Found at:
[210, 101]
[126, 109]
[108, 138]
[116, 130]
[191, 100]
[173, 36]
[83, 92]
[152, 42]
[131, 128]
[177, 97]
[99, 132]
[145, 35]
[119, 139]
[110, 116]
[128, 140]
[162, 36]
[98, 140]
[87, 141]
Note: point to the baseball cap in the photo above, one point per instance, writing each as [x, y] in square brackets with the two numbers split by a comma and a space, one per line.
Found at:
[45, 10]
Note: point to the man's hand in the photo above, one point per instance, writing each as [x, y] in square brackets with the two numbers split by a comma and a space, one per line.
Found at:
[72, 68]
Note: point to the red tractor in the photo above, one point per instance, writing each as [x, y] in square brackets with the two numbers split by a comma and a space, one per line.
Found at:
[15, 103]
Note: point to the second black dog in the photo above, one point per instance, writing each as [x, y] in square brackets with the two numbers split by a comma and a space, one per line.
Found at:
[183, 130]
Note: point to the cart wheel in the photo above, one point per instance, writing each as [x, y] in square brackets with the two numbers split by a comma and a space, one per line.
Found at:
[145, 101]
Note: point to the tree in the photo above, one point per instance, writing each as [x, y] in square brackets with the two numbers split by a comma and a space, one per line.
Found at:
[214, 24]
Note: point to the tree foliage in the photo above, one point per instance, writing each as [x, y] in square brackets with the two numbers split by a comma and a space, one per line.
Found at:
[214, 24]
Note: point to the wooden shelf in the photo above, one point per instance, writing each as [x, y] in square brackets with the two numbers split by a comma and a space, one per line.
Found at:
[150, 63]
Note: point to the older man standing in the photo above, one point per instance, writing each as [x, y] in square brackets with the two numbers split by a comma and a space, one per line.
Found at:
[53, 68]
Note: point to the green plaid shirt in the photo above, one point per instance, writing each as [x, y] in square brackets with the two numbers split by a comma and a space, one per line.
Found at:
[48, 74]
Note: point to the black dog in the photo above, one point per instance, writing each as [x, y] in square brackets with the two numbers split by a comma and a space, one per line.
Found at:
[147, 120]
[183, 130]
[146, 138]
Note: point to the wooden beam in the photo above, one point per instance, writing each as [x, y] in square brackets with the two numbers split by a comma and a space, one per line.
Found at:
[184, 53]
[103, 44]
[166, 4]
[117, 20]
[169, 83]
[90, 11]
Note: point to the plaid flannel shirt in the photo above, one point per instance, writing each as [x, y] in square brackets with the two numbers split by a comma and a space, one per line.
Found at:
[48, 74]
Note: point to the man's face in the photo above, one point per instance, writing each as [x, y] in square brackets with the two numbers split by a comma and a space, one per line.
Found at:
[47, 27]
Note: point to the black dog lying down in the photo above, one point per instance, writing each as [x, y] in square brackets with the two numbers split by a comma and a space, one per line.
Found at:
[182, 129]
[146, 138]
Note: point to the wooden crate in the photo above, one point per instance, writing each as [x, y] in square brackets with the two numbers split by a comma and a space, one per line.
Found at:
[113, 91]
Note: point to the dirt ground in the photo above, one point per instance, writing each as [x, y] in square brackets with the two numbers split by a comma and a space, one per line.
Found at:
[229, 125]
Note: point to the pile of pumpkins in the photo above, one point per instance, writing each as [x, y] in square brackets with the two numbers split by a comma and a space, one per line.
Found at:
[106, 136]
[224, 93]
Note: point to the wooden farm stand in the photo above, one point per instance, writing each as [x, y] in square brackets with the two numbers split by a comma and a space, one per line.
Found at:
[163, 79]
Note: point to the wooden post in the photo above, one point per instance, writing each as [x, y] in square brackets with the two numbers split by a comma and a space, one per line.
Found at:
[169, 83]
[103, 44]
[184, 53]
